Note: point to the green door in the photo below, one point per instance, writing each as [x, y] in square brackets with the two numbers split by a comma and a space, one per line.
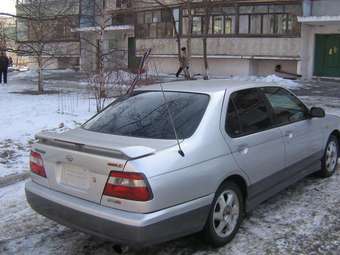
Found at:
[132, 60]
[327, 55]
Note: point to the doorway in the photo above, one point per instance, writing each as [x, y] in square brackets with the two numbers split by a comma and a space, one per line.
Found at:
[327, 55]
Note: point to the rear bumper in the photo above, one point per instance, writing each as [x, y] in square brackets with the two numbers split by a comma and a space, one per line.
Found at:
[121, 227]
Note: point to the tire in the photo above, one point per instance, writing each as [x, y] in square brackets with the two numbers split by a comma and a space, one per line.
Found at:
[330, 158]
[224, 222]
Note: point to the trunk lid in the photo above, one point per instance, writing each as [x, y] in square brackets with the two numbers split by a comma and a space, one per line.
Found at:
[78, 162]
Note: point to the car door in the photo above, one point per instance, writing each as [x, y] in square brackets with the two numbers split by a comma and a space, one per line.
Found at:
[257, 148]
[303, 137]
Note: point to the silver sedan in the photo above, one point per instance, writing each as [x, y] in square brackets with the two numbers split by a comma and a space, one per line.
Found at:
[172, 160]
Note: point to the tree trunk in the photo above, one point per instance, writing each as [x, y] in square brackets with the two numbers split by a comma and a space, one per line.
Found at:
[40, 77]
[205, 59]
[205, 36]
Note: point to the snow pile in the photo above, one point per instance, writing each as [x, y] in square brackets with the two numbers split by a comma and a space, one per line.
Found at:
[269, 79]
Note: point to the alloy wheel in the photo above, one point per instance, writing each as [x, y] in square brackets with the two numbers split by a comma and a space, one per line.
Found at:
[331, 156]
[226, 213]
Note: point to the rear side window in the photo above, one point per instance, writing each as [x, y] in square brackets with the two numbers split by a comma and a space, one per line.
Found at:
[247, 113]
[286, 107]
[145, 115]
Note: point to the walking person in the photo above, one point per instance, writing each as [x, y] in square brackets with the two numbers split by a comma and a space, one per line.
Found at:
[4, 62]
[183, 62]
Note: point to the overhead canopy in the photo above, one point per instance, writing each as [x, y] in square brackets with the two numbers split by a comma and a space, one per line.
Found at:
[108, 28]
[320, 20]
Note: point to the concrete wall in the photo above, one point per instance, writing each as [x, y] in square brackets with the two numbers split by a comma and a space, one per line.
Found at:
[169, 65]
[325, 8]
[223, 67]
[278, 47]
[267, 66]
[227, 56]
[308, 45]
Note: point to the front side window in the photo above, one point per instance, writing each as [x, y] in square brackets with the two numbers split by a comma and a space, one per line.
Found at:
[247, 113]
[145, 115]
[287, 108]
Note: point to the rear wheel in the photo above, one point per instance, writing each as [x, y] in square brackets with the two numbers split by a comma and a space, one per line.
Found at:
[226, 215]
[330, 159]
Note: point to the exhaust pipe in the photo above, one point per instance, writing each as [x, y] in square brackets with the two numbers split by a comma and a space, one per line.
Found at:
[120, 249]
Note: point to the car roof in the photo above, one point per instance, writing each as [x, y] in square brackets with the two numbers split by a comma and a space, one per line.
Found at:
[207, 86]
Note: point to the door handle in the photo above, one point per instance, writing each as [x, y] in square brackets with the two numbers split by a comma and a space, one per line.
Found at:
[243, 149]
[289, 134]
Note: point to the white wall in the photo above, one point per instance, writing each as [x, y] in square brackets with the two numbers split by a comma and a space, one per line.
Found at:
[325, 8]
[281, 47]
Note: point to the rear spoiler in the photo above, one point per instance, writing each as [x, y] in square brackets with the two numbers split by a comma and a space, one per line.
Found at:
[61, 141]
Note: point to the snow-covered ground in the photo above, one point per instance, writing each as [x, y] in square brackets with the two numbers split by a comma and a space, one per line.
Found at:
[24, 115]
[301, 220]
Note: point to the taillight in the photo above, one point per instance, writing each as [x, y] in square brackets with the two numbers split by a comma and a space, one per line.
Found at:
[37, 164]
[128, 185]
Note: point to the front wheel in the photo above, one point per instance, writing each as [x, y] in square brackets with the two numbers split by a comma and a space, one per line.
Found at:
[226, 215]
[329, 161]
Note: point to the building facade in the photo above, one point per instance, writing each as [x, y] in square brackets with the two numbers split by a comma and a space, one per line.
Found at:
[106, 28]
[244, 37]
[249, 37]
[320, 39]
[45, 28]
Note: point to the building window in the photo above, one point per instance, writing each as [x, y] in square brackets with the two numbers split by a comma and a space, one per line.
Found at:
[122, 4]
[148, 17]
[185, 25]
[244, 24]
[268, 24]
[87, 16]
[255, 24]
[22, 30]
[156, 24]
[176, 16]
[121, 19]
[269, 19]
[218, 24]
[197, 25]
[229, 25]
[245, 20]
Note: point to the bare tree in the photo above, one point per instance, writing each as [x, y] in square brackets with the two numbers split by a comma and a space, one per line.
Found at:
[105, 74]
[206, 25]
[41, 27]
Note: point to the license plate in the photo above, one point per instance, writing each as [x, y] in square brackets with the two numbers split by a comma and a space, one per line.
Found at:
[75, 177]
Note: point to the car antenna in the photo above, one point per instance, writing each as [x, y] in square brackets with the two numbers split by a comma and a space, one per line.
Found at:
[180, 151]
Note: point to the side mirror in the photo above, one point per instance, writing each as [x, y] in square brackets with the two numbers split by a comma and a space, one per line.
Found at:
[317, 112]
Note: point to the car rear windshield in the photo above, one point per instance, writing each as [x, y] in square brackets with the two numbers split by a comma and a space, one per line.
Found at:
[145, 115]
